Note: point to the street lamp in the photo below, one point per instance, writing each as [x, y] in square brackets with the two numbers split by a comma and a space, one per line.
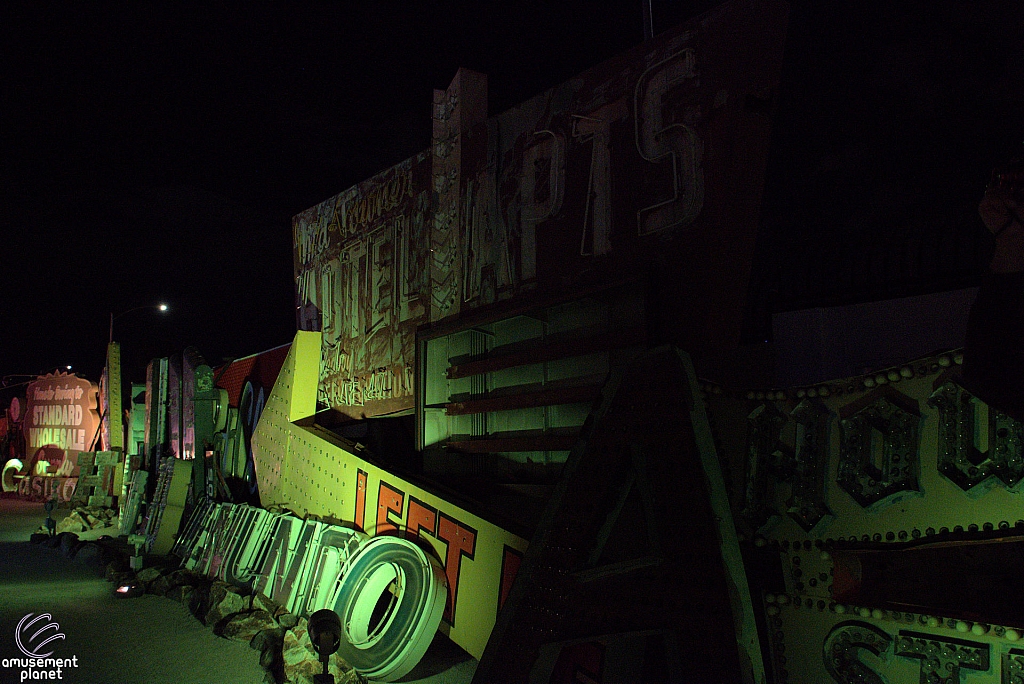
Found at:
[159, 307]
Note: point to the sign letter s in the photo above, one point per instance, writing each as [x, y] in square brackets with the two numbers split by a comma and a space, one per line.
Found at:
[666, 114]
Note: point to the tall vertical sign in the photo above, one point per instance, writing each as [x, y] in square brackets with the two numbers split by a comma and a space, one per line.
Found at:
[191, 360]
[174, 404]
[113, 420]
[456, 110]
[156, 416]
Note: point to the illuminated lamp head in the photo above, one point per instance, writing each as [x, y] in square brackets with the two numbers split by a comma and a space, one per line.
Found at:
[130, 589]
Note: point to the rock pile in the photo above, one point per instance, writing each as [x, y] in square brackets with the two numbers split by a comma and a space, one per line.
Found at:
[233, 613]
[281, 637]
[86, 518]
[300, 660]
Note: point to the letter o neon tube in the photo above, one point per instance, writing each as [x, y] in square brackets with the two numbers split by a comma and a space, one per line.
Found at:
[389, 649]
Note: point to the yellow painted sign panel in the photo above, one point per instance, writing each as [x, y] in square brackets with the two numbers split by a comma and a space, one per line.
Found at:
[312, 472]
[114, 420]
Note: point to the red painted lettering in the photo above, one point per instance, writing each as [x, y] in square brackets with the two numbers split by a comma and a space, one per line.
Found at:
[461, 541]
[361, 499]
[390, 500]
[421, 517]
[510, 560]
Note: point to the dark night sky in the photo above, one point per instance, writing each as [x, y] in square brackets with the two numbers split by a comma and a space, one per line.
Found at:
[156, 151]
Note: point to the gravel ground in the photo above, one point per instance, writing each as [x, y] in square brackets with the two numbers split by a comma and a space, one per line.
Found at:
[148, 640]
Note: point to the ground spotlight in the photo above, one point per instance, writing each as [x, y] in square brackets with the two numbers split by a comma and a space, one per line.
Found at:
[130, 589]
[324, 629]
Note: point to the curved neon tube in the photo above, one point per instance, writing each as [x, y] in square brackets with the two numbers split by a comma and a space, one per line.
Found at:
[389, 650]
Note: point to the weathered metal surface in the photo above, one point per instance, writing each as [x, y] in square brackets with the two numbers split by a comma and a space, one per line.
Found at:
[360, 268]
[546, 351]
[651, 162]
[913, 486]
[614, 554]
[547, 397]
[503, 444]
[310, 471]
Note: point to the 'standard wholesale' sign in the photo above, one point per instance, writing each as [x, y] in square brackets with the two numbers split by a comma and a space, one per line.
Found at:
[61, 412]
